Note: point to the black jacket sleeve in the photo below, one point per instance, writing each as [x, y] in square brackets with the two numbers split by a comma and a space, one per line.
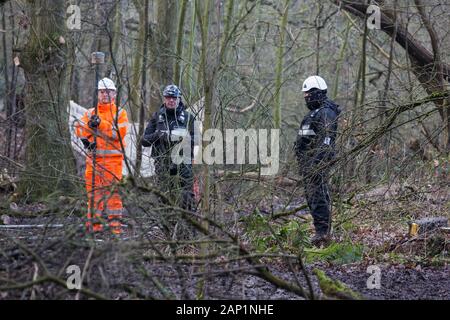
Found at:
[150, 134]
[305, 137]
[300, 147]
[326, 131]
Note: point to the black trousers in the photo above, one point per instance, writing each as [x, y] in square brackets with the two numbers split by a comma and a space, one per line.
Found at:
[319, 200]
[177, 181]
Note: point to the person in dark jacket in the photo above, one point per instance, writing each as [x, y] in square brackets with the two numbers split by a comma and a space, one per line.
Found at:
[315, 148]
[165, 131]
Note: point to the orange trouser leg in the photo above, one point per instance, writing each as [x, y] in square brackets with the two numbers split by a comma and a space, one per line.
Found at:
[94, 223]
[113, 210]
[107, 202]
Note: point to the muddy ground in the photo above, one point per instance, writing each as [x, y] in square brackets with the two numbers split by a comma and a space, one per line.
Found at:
[237, 259]
[138, 267]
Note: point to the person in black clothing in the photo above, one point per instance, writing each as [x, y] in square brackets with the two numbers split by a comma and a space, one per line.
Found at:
[314, 149]
[167, 129]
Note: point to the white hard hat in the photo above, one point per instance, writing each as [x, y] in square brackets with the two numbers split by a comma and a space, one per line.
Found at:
[314, 82]
[106, 83]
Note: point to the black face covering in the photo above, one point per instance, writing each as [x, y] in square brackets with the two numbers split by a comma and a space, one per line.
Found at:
[315, 98]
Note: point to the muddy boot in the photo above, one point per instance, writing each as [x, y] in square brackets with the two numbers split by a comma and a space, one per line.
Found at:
[320, 239]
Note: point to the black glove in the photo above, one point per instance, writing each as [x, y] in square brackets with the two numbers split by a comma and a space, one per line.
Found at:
[88, 145]
[162, 136]
[94, 122]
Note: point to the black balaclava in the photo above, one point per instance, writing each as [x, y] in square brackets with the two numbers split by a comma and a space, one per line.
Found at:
[315, 98]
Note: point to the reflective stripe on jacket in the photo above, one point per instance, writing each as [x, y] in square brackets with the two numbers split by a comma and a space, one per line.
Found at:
[112, 129]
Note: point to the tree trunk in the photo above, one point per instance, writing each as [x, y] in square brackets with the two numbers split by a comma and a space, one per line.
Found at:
[279, 71]
[162, 50]
[340, 62]
[136, 68]
[203, 14]
[384, 109]
[6, 98]
[189, 78]
[50, 165]
[179, 48]
[143, 99]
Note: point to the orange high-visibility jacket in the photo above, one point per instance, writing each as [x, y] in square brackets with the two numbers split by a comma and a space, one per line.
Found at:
[113, 126]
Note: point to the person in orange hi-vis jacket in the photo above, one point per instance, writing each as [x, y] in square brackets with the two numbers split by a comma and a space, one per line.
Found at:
[110, 123]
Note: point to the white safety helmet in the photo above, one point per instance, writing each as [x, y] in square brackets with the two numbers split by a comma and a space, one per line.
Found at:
[106, 83]
[314, 82]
